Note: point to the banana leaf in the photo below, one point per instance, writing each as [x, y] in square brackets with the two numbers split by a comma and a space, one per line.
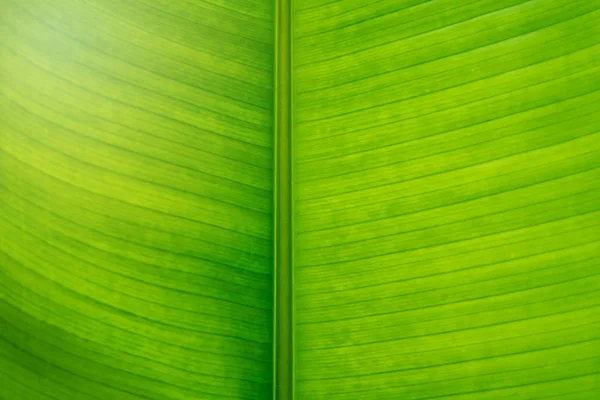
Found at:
[442, 184]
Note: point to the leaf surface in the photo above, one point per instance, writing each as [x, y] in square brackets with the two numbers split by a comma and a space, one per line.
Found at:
[446, 186]
[448, 194]
[136, 191]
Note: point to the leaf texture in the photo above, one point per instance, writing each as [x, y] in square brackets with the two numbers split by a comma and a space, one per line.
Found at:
[448, 199]
[136, 191]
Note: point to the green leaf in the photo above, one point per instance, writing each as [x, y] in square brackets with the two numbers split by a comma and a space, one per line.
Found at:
[448, 199]
[136, 190]
[439, 160]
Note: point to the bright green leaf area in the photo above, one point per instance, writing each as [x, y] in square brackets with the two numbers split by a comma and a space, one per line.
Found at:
[447, 199]
[136, 193]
